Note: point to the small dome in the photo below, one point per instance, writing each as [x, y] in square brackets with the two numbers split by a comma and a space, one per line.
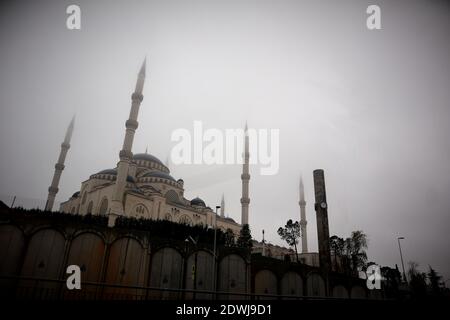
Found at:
[76, 194]
[198, 202]
[147, 157]
[158, 174]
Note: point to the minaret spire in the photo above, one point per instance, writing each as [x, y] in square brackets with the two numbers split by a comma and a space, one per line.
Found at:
[59, 166]
[125, 154]
[245, 177]
[222, 206]
[303, 222]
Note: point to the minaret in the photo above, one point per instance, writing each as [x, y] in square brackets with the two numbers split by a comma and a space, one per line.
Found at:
[222, 207]
[125, 154]
[303, 222]
[245, 177]
[59, 167]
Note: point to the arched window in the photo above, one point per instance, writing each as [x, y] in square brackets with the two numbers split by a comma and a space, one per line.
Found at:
[140, 211]
[103, 207]
[185, 220]
[90, 206]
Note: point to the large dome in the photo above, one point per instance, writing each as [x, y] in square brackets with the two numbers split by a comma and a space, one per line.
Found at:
[147, 157]
[158, 174]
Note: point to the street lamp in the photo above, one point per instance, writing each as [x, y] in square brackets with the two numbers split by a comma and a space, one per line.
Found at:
[194, 266]
[214, 251]
[401, 257]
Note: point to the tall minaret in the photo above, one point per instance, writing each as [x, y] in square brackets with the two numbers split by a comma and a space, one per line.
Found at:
[303, 222]
[59, 167]
[222, 206]
[125, 154]
[245, 177]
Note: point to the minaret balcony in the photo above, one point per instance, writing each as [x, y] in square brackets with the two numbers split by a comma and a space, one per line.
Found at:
[137, 97]
[131, 124]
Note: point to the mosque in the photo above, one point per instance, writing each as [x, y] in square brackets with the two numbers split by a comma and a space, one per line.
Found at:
[141, 186]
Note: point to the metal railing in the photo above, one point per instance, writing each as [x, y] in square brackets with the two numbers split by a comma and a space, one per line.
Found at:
[30, 288]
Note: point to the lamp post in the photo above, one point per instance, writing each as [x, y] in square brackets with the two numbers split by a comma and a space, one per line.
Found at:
[214, 251]
[401, 257]
[194, 266]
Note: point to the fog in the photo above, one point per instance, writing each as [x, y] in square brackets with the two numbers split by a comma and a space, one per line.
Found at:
[370, 107]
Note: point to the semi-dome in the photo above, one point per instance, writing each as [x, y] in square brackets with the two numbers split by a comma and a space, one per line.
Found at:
[158, 174]
[147, 157]
[198, 202]
[108, 171]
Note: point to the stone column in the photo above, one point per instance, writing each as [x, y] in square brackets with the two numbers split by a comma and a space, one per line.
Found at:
[321, 208]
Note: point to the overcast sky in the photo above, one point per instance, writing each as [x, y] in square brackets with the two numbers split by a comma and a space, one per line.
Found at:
[371, 108]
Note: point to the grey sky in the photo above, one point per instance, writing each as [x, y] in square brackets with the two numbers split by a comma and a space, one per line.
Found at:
[371, 108]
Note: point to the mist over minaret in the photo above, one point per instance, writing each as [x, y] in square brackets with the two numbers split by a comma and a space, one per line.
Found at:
[59, 167]
[125, 154]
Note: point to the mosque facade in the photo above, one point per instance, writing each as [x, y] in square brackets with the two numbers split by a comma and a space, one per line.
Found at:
[141, 185]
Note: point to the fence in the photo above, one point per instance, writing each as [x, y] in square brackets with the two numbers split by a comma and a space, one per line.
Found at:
[27, 288]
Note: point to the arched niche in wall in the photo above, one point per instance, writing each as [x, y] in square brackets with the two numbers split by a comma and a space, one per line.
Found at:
[199, 274]
[232, 276]
[44, 259]
[166, 272]
[315, 285]
[126, 266]
[12, 246]
[266, 283]
[340, 291]
[292, 284]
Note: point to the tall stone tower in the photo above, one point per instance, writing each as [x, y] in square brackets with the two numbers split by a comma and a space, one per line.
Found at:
[125, 155]
[222, 207]
[321, 208]
[245, 177]
[303, 222]
[59, 167]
